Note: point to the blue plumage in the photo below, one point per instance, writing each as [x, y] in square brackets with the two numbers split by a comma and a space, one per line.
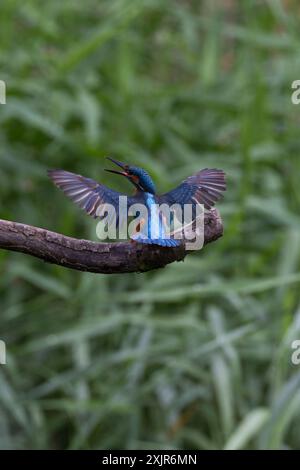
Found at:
[204, 187]
[153, 230]
[145, 181]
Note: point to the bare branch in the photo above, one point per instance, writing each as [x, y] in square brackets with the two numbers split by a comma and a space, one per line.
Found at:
[85, 255]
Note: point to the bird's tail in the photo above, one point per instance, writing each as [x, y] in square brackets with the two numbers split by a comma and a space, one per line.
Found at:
[166, 242]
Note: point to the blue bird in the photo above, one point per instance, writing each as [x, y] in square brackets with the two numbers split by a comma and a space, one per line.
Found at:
[204, 187]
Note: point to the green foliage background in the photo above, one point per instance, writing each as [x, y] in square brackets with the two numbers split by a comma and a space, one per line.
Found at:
[195, 356]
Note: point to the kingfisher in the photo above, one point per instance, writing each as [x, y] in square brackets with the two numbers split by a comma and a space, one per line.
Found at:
[204, 187]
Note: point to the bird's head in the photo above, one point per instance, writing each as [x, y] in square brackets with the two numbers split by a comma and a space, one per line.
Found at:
[137, 176]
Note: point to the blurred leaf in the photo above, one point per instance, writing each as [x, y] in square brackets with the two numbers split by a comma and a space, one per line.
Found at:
[250, 426]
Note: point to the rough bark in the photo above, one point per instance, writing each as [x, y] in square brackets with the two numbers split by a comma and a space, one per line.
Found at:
[85, 255]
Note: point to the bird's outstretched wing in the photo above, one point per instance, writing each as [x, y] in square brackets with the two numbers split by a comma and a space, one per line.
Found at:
[87, 193]
[205, 187]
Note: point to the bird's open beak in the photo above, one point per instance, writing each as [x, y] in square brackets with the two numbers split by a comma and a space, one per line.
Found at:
[121, 165]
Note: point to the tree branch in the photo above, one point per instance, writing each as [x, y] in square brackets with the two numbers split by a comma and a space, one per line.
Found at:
[85, 255]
